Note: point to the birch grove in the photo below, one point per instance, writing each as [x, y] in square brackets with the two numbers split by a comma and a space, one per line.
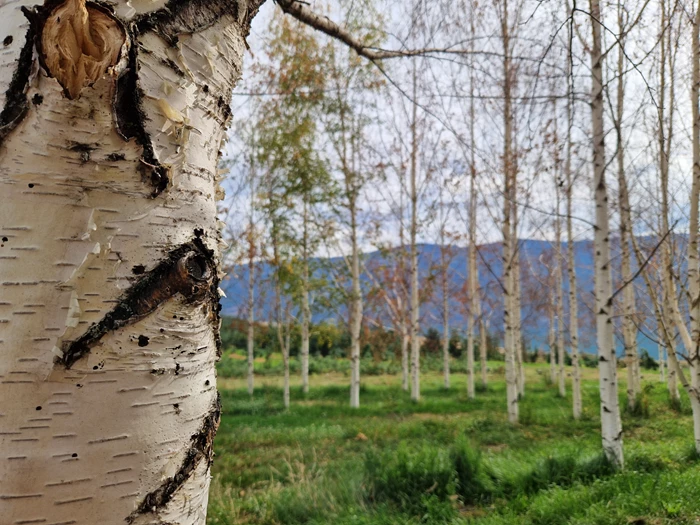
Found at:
[365, 136]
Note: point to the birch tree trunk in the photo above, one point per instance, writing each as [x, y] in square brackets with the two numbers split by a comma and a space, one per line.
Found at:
[356, 312]
[250, 341]
[444, 265]
[694, 224]
[109, 260]
[250, 336]
[472, 268]
[405, 340]
[473, 290]
[305, 309]
[571, 266]
[662, 362]
[414, 328]
[517, 306]
[559, 293]
[552, 340]
[629, 332]
[509, 317]
[611, 424]
[483, 353]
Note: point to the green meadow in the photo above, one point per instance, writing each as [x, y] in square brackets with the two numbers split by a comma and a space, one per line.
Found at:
[447, 459]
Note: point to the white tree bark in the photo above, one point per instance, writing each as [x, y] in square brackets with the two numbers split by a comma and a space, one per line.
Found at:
[414, 328]
[250, 337]
[509, 304]
[473, 291]
[355, 312]
[305, 308]
[483, 353]
[571, 269]
[609, 406]
[559, 295]
[109, 259]
[629, 331]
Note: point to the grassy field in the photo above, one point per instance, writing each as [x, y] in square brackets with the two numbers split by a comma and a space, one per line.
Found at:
[446, 459]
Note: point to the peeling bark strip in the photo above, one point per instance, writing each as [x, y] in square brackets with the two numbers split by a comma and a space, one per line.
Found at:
[201, 448]
[188, 270]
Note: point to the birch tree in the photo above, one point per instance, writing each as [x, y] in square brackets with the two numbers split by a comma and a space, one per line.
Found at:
[611, 424]
[112, 119]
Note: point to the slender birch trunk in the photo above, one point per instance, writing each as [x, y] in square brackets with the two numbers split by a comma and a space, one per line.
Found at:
[571, 266]
[611, 424]
[444, 264]
[110, 253]
[558, 272]
[355, 311]
[662, 364]
[473, 283]
[552, 340]
[483, 353]
[250, 341]
[559, 324]
[517, 308]
[629, 332]
[305, 309]
[509, 317]
[250, 336]
[415, 303]
[405, 340]
[694, 224]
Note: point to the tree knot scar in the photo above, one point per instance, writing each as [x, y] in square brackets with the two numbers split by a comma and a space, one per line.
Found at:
[80, 43]
[188, 270]
[200, 449]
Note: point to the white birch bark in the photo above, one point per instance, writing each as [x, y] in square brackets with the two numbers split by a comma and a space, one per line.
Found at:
[571, 266]
[559, 293]
[109, 261]
[509, 317]
[355, 312]
[444, 281]
[414, 328]
[629, 331]
[305, 309]
[662, 362]
[611, 425]
[483, 353]
[473, 292]
[552, 340]
[250, 336]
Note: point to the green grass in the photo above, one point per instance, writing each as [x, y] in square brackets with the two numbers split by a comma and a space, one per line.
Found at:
[447, 459]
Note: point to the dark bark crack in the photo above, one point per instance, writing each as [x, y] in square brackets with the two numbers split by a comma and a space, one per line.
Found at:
[189, 269]
[129, 118]
[191, 16]
[16, 103]
[201, 449]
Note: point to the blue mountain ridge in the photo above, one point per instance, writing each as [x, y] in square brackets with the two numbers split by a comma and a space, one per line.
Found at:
[537, 289]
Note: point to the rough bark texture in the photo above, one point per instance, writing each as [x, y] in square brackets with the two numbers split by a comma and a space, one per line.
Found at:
[109, 239]
[611, 424]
